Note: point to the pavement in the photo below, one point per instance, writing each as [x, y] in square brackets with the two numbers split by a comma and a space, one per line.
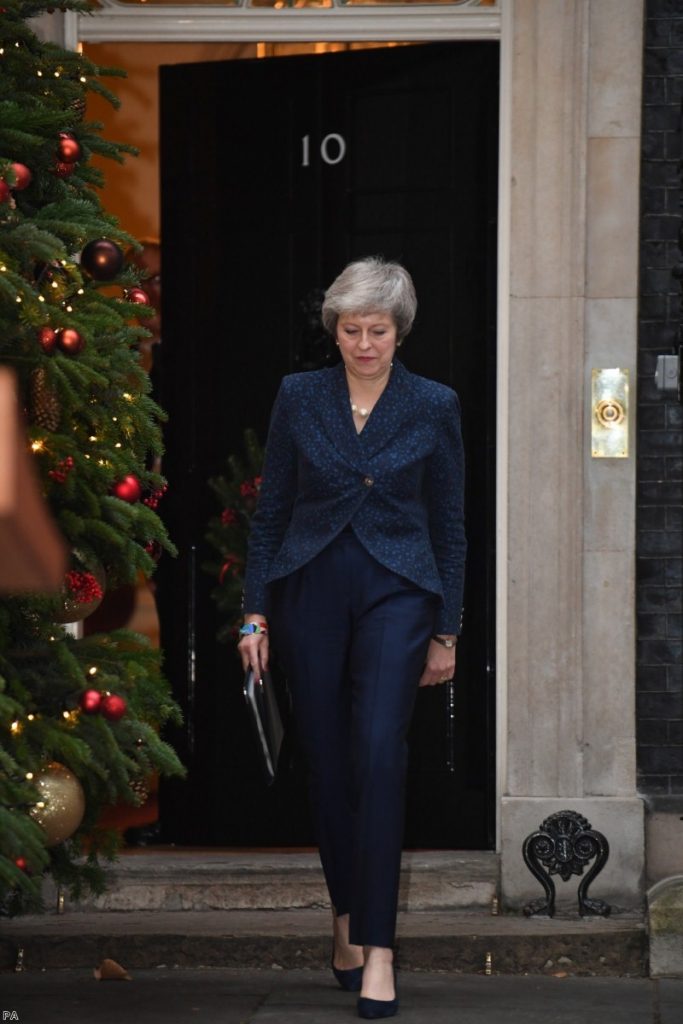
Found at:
[167, 995]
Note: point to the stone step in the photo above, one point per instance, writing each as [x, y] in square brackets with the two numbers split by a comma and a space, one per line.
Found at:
[427, 941]
[201, 880]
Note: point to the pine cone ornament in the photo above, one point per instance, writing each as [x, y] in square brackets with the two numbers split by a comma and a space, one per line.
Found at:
[45, 408]
[78, 107]
[140, 788]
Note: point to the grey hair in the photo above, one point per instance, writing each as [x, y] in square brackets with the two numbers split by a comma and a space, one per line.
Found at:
[371, 285]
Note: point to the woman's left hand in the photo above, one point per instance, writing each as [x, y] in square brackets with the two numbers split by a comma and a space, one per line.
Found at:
[440, 665]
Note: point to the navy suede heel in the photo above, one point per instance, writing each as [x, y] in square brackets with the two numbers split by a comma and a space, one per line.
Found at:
[374, 1009]
[351, 979]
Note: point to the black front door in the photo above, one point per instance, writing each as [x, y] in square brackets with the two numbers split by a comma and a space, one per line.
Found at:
[275, 173]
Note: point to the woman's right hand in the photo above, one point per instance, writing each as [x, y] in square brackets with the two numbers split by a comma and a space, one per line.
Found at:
[253, 648]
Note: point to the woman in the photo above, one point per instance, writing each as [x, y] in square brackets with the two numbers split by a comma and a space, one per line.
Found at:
[355, 566]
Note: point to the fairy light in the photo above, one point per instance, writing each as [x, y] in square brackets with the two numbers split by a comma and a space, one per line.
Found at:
[31, 717]
[40, 804]
[93, 437]
[115, 419]
[19, 299]
[83, 79]
[54, 284]
[41, 298]
[39, 73]
[92, 671]
[15, 728]
[69, 309]
[56, 74]
[65, 714]
[118, 444]
[128, 397]
[38, 445]
[29, 775]
[3, 269]
[81, 291]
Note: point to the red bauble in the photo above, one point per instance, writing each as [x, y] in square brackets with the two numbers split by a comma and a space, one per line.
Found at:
[129, 489]
[90, 702]
[68, 149]
[113, 707]
[47, 338]
[21, 863]
[22, 175]
[139, 296]
[102, 259]
[70, 341]
[4, 191]
[63, 170]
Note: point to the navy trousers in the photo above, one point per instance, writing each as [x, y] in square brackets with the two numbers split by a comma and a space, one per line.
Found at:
[352, 637]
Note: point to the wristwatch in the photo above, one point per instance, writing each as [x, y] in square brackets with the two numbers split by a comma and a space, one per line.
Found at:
[444, 642]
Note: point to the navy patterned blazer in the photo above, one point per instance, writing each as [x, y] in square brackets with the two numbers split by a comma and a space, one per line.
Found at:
[399, 482]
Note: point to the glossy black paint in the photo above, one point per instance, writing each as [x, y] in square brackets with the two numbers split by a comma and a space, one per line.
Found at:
[255, 224]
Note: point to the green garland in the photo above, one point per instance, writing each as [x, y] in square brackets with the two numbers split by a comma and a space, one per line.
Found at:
[237, 491]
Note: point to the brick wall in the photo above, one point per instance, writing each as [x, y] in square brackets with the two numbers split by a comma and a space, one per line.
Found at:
[660, 422]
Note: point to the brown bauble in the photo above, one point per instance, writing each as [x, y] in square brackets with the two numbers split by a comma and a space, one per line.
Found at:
[102, 258]
[70, 341]
[47, 339]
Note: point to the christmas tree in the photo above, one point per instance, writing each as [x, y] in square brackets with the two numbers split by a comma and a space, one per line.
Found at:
[79, 716]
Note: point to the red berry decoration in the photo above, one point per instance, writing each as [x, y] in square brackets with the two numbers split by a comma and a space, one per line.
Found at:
[152, 500]
[21, 863]
[47, 339]
[90, 702]
[139, 296]
[113, 707]
[63, 170]
[62, 470]
[70, 341]
[102, 259]
[4, 191]
[154, 549]
[22, 176]
[129, 489]
[82, 587]
[68, 148]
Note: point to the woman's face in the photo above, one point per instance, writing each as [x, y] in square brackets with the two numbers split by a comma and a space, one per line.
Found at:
[367, 343]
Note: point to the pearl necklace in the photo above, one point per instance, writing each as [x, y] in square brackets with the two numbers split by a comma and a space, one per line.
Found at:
[361, 412]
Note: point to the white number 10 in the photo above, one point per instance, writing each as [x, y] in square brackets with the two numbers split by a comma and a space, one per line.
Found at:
[338, 142]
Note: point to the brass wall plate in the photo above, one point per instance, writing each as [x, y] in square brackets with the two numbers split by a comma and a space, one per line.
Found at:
[609, 413]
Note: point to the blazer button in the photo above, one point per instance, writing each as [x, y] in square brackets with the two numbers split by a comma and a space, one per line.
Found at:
[368, 481]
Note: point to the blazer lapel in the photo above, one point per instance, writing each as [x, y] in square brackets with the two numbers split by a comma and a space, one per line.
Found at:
[389, 413]
[384, 421]
[337, 418]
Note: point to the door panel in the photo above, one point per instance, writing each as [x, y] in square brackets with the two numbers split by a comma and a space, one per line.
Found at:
[276, 173]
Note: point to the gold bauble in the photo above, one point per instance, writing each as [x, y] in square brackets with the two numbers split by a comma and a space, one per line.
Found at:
[64, 800]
